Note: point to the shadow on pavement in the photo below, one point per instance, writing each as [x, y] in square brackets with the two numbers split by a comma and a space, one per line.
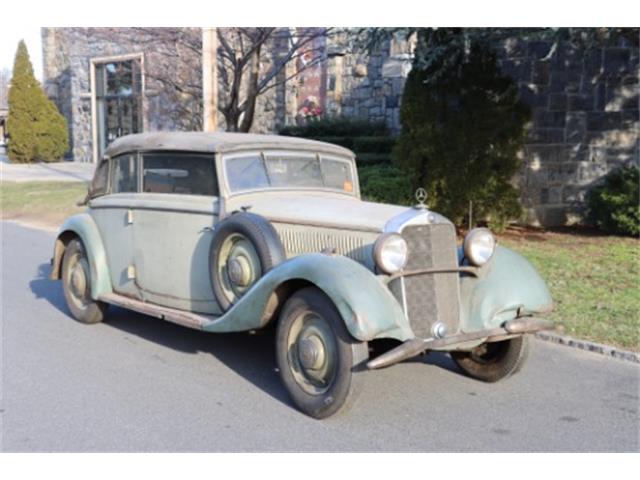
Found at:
[250, 356]
[50, 290]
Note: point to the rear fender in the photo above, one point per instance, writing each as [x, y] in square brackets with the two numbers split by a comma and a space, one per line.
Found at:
[84, 227]
[367, 307]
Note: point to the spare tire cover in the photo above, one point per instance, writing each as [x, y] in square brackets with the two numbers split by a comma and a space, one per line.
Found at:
[244, 247]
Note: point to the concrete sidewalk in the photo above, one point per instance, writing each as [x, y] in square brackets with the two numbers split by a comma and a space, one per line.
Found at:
[44, 172]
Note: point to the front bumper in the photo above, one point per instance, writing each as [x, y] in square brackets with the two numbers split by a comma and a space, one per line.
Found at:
[415, 346]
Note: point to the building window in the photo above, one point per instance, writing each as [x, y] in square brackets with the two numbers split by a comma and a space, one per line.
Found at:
[118, 99]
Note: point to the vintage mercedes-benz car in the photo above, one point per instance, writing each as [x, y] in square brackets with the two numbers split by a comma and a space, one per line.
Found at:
[228, 232]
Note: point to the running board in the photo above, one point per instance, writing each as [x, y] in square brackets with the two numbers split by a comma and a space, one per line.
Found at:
[181, 317]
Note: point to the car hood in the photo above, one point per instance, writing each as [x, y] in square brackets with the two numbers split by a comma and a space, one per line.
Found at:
[319, 210]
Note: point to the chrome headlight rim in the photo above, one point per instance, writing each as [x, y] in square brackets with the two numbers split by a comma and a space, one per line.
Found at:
[475, 251]
[381, 258]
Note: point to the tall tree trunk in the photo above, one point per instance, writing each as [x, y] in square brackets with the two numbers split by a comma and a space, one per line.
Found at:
[232, 119]
[252, 92]
[231, 110]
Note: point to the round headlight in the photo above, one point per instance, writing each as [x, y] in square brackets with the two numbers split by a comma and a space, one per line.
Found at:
[479, 245]
[390, 252]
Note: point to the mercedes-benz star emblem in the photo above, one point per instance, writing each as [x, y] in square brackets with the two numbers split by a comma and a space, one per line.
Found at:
[421, 196]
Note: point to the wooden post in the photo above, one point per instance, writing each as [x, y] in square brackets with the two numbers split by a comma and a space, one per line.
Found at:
[210, 79]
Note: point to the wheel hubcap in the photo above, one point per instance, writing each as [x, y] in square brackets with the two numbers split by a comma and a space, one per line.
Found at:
[239, 266]
[313, 353]
[239, 271]
[78, 280]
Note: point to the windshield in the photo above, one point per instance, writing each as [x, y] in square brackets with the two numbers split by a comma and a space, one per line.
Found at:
[256, 171]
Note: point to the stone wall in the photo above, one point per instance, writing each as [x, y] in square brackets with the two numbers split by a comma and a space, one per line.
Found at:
[368, 86]
[584, 104]
[585, 122]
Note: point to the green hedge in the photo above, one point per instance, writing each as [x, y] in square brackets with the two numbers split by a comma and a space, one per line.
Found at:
[373, 158]
[371, 144]
[346, 142]
[614, 206]
[368, 144]
[385, 184]
[338, 126]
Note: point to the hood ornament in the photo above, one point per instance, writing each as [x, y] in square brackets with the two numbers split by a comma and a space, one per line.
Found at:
[421, 197]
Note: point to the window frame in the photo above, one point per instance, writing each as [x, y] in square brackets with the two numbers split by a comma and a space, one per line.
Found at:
[92, 193]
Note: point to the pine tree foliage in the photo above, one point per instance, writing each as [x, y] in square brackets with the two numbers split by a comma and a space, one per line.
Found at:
[462, 129]
[37, 131]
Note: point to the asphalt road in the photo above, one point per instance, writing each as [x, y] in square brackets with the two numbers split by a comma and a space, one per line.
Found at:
[139, 384]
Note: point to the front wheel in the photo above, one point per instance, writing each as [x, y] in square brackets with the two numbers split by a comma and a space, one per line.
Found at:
[316, 355]
[76, 284]
[494, 361]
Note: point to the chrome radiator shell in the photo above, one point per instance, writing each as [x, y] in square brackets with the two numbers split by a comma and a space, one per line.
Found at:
[433, 297]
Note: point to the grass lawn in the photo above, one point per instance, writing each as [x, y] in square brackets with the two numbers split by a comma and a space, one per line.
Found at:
[594, 281]
[41, 203]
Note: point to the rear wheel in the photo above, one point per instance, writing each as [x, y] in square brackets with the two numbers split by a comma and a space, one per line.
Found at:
[76, 284]
[316, 355]
[494, 361]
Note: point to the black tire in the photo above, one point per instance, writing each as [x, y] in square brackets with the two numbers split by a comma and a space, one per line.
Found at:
[264, 239]
[491, 362]
[320, 390]
[76, 284]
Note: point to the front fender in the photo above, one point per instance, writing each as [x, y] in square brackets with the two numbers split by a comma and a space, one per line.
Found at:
[84, 227]
[367, 307]
[507, 286]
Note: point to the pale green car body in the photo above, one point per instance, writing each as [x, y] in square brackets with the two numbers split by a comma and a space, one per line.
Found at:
[153, 250]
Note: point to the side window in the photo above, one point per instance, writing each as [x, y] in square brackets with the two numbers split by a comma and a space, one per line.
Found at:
[185, 173]
[124, 174]
[100, 180]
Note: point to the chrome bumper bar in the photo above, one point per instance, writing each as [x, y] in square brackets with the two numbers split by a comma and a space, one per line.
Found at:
[415, 346]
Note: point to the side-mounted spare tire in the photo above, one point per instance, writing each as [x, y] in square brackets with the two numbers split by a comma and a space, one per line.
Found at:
[244, 247]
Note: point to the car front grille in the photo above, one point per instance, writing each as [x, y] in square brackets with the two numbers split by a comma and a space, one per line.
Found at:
[433, 297]
[299, 239]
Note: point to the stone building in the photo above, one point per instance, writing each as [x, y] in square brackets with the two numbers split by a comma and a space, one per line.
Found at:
[110, 82]
[585, 121]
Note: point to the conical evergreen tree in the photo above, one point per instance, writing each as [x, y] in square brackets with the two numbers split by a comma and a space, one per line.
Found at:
[463, 125]
[36, 129]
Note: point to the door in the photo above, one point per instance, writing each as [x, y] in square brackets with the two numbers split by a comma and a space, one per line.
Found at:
[173, 224]
[113, 215]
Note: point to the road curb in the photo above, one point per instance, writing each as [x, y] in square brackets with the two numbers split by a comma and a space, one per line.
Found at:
[606, 350]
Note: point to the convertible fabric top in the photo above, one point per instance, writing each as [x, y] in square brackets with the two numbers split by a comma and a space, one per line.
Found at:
[217, 142]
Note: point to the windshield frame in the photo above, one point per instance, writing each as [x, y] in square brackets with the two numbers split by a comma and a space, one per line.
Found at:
[290, 153]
